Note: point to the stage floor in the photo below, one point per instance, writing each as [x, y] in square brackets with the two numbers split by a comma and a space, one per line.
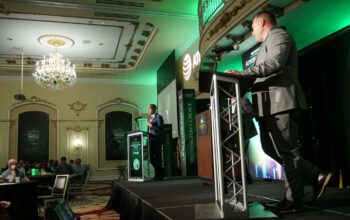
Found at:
[176, 199]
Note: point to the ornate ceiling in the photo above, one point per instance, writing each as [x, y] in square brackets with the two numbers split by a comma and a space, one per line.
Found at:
[123, 39]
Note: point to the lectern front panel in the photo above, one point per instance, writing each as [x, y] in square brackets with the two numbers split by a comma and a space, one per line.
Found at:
[135, 156]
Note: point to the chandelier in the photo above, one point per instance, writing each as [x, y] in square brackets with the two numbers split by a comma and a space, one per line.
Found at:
[54, 72]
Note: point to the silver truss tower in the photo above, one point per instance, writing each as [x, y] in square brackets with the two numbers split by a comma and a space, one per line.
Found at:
[228, 151]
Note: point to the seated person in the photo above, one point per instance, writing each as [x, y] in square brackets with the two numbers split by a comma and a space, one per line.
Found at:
[44, 168]
[78, 168]
[3, 206]
[21, 166]
[53, 164]
[12, 172]
[64, 167]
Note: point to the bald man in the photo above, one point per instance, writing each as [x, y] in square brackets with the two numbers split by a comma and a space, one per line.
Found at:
[278, 97]
[12, 172]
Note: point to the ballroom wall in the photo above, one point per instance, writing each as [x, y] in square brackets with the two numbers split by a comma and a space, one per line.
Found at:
[86, 91]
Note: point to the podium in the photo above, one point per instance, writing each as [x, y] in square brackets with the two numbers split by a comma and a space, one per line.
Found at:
[228, 147]
[138, 156]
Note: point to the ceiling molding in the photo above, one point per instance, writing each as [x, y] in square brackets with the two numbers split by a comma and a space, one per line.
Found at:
[120, 9]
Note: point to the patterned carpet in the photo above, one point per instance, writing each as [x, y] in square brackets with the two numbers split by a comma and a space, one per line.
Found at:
[93, 205]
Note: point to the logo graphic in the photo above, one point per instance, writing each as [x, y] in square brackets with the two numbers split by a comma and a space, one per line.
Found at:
[187, 67]
[190, 64]
[136, 164]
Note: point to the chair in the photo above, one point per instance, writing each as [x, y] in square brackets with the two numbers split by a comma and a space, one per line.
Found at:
[58, 209]
[77, 186]
[58, 191]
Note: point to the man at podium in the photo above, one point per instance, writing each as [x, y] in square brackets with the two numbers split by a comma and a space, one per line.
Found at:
[155, 130]
[278, 98]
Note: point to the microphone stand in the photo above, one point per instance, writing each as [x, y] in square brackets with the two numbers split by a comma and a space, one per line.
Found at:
[217, 59]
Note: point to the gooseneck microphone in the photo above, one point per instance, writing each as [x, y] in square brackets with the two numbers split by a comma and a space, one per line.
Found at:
[226, 48]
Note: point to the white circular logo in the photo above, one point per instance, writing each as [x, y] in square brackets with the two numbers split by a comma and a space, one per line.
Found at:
[136, 164]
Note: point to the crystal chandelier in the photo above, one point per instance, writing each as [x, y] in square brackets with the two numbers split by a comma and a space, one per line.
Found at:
[54, 72]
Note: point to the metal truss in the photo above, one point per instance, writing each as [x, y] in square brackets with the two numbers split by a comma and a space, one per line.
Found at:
[228, 148]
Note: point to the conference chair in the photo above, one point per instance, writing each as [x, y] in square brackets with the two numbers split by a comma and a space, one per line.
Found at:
[77, 186]
[58, 190]
[59, 209]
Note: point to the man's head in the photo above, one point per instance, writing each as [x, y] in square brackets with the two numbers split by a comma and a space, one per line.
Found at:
[78, 161]
[63, 159]
[12, 163]
[263, 22]
[21, 163]
[152, 108]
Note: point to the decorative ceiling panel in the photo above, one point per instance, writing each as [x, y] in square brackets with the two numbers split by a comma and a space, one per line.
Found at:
[124, 40]
[98, 43]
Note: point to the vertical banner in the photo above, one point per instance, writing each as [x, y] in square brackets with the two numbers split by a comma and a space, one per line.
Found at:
[33, 136]
[187, 110]
[118, 124]
[168, 151]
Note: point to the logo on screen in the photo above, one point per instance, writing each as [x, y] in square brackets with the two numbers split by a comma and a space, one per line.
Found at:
[136, 164]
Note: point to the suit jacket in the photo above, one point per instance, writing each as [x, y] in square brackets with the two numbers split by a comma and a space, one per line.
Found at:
[155, 132]
[276, 88]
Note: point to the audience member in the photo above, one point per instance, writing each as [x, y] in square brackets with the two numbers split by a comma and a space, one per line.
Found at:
[3, 206]
[52, 166]
[64, 167]
[12, 172]
[78, 168]
[21, 166]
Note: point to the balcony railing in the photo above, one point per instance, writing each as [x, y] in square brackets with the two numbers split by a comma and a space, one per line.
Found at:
[207, 10]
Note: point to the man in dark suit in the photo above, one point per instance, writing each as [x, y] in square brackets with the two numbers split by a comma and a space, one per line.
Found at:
[155, 130]
[277, 99]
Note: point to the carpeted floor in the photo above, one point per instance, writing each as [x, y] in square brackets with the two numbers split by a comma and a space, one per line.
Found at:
[93, 205]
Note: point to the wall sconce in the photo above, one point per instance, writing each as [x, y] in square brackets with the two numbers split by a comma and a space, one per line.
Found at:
[77, 145]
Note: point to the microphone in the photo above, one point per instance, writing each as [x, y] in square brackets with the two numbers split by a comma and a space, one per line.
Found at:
[226, 48]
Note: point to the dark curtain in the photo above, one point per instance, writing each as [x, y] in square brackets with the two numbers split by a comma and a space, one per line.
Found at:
[33, 136]
[118, 124]
[130, 206]
[324, 70]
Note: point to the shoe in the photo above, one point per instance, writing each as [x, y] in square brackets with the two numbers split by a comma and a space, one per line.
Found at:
[158, 178]
[281, 203]
[291, 207]
[321, 185]
[275, 206]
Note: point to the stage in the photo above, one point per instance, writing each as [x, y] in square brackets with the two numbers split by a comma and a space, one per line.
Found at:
[176, 199]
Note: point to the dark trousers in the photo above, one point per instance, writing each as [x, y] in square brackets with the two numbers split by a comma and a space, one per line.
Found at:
[279, 140]
[156, 157]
